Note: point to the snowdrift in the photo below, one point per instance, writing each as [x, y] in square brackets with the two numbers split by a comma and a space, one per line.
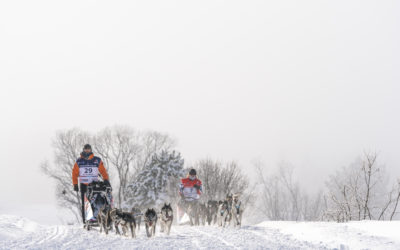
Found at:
[13, 227]
[351, 235]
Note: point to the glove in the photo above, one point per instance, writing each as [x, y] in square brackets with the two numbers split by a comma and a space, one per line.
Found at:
[76, 188]
[107, 183]
[196, 186]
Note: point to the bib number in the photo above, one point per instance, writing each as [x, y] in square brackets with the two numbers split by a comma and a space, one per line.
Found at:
[88, 170]
[87, 174]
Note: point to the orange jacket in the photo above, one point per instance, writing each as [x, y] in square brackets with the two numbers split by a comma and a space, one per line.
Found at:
[75, 170]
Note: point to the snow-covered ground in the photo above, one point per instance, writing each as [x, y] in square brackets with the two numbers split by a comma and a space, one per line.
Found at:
[21, 233]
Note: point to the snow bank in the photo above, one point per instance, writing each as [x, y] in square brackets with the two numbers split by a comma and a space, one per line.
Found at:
[351, 235]
[12, 227]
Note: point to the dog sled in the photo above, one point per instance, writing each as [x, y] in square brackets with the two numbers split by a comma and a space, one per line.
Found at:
[97, 196]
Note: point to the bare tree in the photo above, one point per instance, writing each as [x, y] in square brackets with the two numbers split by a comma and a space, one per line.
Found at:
[272, 202]
[210, 173]
[152, 142]
[67, 147]
[282, 198]
[118, 149]
[396, 201]
[359, 191]
[127, 151]
[369, 170]
[221, 179]
[292, 187]
[232, 179]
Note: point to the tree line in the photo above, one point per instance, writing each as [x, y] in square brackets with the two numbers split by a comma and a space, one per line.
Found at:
[145, 169]
[360, 191]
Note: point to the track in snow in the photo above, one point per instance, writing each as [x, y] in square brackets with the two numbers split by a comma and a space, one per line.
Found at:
[24, 234]
[20, 233]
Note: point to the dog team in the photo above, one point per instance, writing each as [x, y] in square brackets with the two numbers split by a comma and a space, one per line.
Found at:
[222, 213]
[213, 212]
[109, 218]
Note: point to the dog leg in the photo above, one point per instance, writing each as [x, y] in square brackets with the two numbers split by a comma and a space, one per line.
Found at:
[225, 218]
[117, 228]
[134, 230]
[169, 227]
[162, 227]
[147, 230]
[124, 227]
[105, 228]
[105, 222]
[100, 223]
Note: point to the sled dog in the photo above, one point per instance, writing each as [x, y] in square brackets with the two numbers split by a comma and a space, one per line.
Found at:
[202, 213]
[150, 220]
[212, 211]
[105, 218]
[138, 216]
[167, 217]
[237, 211]
[223, 213]
[126, 220]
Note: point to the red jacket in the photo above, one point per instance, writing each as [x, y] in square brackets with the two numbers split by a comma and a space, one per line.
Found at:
[187, 187]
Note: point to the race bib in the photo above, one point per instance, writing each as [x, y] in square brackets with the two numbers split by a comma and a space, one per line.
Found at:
[87, 174]
[190, 193]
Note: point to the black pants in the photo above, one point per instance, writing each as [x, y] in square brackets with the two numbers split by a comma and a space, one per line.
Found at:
[83, 189]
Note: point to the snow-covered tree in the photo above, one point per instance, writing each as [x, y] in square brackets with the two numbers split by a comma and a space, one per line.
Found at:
[156, 183]
[126, 151]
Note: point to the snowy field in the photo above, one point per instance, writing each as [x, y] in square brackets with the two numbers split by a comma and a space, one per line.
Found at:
[20, 233]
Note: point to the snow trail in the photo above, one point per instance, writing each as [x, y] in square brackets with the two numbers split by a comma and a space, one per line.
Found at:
[20, 233]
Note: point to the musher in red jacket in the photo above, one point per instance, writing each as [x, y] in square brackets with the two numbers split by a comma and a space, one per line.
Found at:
[190, 190]
[191, 187]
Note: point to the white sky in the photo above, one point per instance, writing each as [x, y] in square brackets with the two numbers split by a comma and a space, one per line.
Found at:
[311, 82]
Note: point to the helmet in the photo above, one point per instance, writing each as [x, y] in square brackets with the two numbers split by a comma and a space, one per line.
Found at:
[192, 172]
[87, 146]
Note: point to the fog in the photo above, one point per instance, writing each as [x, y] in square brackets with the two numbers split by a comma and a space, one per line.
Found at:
[313, 83]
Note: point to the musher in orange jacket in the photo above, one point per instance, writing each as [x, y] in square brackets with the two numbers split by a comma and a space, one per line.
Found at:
[87, 169]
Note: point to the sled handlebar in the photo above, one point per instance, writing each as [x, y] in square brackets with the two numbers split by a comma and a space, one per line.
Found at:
[107, 190]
